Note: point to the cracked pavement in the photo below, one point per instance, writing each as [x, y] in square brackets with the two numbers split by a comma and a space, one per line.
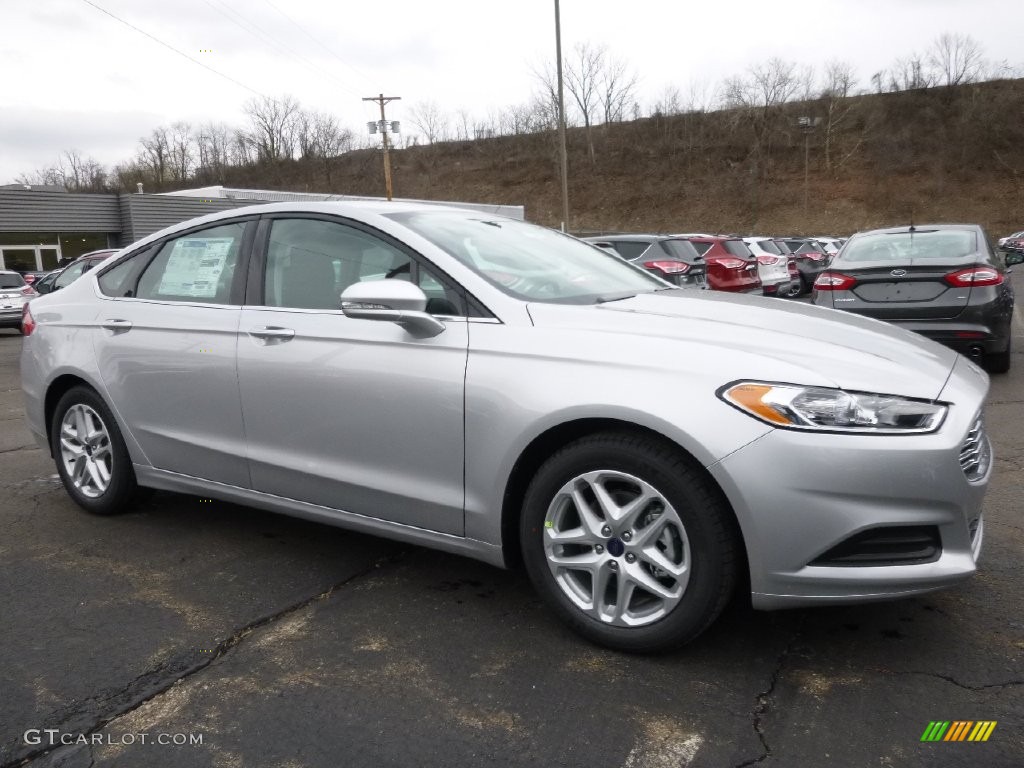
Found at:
[287, 643]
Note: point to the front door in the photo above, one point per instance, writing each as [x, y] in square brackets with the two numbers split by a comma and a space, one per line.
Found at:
[353, 415]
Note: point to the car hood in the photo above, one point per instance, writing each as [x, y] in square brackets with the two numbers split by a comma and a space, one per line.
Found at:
[755, 337]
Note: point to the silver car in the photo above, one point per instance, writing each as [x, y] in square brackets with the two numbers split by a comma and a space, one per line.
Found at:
[499, 390]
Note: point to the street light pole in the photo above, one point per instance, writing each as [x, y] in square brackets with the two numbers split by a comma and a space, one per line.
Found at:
[807, 125]
[561, 121]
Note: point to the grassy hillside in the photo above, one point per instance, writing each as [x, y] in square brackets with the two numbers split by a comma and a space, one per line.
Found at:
[931, 155]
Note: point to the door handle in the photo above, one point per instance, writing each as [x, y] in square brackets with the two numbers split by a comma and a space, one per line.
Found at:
[116, 325]
[272, 332]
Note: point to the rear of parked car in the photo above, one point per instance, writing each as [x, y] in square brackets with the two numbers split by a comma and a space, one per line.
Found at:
[14, 293]
[942, 281]
[730, 264]
[811, 260]
[673, 259]
[772, 266]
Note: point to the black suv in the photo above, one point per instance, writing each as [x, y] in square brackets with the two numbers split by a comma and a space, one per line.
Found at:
[670, 258]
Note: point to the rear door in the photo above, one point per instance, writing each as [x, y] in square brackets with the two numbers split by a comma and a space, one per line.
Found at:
[905, 276]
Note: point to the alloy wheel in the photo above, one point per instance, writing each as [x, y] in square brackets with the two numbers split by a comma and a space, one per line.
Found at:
[617, 548]
[85, 450]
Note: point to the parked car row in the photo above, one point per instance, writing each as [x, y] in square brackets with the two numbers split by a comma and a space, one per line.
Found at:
[773, 266]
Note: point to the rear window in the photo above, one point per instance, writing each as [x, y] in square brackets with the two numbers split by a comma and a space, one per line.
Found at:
[738, 248]
[680, 249]
[770, 247]
[630, 249]
[942, 244]
[12, 281]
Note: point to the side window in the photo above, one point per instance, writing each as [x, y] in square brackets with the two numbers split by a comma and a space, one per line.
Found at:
[310, 262]
[197, 267]
[120, 280]
[69, 275]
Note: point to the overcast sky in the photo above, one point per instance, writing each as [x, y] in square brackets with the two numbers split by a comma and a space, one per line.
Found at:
[72, 77]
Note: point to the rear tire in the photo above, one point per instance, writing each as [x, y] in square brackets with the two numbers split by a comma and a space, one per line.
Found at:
[998, 362]
[91, 456]
[629, 541]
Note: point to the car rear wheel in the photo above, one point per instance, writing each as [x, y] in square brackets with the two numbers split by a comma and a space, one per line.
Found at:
[998, 362]
[91, 457]
[629, 541]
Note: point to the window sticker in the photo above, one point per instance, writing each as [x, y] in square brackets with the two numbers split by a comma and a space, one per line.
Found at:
[194, 267]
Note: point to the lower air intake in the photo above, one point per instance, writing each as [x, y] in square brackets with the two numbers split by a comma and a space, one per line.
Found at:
[898, 545]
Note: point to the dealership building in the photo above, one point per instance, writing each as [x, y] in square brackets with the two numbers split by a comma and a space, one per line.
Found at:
[41, 227]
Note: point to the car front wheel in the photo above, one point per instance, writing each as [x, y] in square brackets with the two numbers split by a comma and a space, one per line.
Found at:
[629, 541]
[91, 457]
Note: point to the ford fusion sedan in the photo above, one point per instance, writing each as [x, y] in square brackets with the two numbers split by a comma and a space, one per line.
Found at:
[943, 281]
[506, 392]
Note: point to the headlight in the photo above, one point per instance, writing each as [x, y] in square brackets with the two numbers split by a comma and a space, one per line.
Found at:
[833, 410]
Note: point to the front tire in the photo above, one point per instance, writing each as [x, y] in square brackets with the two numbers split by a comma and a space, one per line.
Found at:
[629, 541]
[91, 456]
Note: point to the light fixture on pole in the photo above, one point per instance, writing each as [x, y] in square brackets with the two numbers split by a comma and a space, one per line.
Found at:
[807, 125]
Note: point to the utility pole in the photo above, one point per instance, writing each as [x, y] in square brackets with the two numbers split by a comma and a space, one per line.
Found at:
[383, 125]
[561, 121]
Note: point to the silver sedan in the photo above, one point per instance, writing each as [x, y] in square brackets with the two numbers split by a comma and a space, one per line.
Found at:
[492, 388]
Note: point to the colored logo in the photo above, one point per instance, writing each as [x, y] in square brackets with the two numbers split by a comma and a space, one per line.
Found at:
[958, 730]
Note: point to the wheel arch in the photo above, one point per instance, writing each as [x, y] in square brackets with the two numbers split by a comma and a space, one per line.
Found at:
[557, 437]
[54, 392]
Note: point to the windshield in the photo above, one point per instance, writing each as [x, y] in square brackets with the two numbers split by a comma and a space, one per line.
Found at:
[947, 244]
[530, 262]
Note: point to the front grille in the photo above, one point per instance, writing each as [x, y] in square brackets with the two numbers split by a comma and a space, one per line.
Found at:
[976, 452]
[893, 545]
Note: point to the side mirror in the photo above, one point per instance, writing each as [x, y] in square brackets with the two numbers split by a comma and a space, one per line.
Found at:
[395, 301]
[1016, 257]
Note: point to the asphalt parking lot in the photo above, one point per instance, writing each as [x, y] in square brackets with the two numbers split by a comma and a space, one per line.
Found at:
[278, 642]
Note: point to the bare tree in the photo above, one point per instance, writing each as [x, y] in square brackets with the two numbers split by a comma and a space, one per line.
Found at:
[431, 120]
[274, 125]
[583, 74]
[669, 102]
[840, 79]
[155, 153]
[464, 125]
[182, 151]
[910, 73]
[956, 58]
[617, 88]
[213, 144]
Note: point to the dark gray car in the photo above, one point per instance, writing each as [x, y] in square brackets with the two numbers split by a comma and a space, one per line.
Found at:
[670, 258]
[943, 281]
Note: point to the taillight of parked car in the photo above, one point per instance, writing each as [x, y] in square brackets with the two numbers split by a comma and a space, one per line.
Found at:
[793, 271]
[733, 263]
[668, 267]
[768, 260]
[834, 281]
[813, 256]
[974, 276]
[28, 323]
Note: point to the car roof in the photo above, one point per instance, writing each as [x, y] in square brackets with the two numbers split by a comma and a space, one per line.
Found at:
[918, 228]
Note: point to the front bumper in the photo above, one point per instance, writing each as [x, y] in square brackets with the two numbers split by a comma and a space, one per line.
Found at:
[797, 495]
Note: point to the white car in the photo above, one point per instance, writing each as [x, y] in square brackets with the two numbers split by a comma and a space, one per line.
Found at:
[1014, 236]
[830, 244]
[772, 266]
[14, 293]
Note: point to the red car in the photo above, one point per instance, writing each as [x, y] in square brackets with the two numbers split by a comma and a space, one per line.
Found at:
[730, 264]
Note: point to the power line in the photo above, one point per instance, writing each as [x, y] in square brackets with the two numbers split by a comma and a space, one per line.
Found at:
[172, 48]
[266, 38]
[321, 44]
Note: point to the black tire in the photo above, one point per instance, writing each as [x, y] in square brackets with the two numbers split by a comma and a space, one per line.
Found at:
[122, 491]
[998, 362]
[714, 545]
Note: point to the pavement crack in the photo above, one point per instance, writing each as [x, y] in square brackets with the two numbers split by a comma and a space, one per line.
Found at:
[18, 448]
[93, 714]
[965, 686]
[765, 699]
